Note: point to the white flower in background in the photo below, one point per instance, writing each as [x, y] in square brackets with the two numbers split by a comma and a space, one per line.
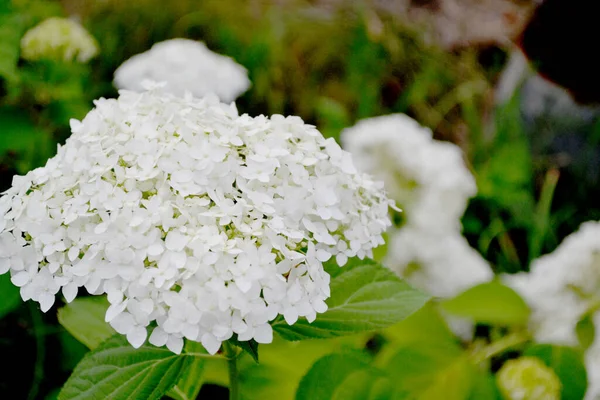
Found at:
[185, 65]
[427, 178]
[58, 39]
[561, 288]
[442, 265]
[187, 214]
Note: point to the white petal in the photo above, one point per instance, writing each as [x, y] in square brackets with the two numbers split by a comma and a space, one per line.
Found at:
[175, 344]
[210, 343]
[137, 336]
[263, 333]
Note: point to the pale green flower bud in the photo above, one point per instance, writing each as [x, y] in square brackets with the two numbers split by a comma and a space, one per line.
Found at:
[528, 378]
[58, 39]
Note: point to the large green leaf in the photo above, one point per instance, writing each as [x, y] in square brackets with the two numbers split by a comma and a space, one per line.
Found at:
[365, 296]
[567, 364]
[115, 370]
[328, 374]
[9, 295]
[432, 372]
[189, 384]
[491, 303]
[84, 319]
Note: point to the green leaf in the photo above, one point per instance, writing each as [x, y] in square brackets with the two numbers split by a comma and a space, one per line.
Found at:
[115, 370]
[432, 372]
[327, 375]
[189, 384]
[365, 296]
[567, 364]
[586, 331]
[364, 384]
[249, 346]
[10, 297]
[84, 319]
[490, 303]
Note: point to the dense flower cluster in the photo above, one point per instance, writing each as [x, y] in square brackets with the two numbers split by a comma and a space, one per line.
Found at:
[561, 289]
[430, 182]
[58, 39]
[185, 65]
[187, 214]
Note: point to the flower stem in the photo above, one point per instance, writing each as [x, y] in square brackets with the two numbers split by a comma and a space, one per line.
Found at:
[231, 355]
[498, 347]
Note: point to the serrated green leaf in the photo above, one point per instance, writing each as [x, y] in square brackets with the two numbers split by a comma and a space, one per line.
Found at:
[84, 319]
[115, 370]
[189, 384]
[490, 303]
[567, 364]
[10, 297]
[328, 373]
[365, 296]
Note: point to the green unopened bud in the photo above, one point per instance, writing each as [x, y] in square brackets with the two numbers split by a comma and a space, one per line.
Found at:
[528, 378]
[58, 39]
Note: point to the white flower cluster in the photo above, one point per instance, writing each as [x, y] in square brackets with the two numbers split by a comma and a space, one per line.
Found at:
[187, 214]
[431, 184]
[59, 39]
[185, 65]
[561, 288]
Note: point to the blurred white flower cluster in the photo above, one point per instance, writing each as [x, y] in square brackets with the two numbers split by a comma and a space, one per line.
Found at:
[562, 288]
[184, 65]
[58, 39]
[431, 184]
[187, 214]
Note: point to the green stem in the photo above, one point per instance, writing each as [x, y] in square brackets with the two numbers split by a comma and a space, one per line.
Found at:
[231, 355]
[38, 372]
[493, 349]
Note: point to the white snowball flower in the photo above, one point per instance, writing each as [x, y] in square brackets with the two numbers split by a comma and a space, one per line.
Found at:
[191, 216]
[442, 265]
[561, 288]
[184, 65]
[427, 178]
[58, 38]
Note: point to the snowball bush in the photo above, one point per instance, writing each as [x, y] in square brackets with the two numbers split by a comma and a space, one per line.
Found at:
[191, 216]
[184, 65]
[60, 39]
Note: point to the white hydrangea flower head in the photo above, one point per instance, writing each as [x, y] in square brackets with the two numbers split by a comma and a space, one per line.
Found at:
[442, 265]
[562, 286]
[190, 216]
[184, 65]
[427, 178]
[58, 39]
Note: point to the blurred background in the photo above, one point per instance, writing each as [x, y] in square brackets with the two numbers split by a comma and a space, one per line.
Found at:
[529, 135]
